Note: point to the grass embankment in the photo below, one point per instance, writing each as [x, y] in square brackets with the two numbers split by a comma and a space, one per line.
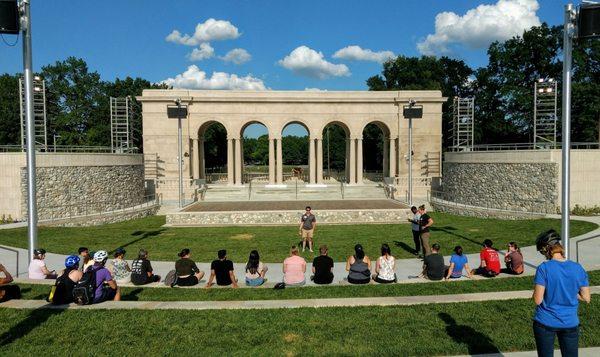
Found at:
[273, 243]
[36, 292]
[436, 329]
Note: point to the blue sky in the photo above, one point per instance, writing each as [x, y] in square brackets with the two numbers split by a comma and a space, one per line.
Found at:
[128, 37]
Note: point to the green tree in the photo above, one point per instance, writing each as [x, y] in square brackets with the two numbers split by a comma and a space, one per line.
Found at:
[10, 121]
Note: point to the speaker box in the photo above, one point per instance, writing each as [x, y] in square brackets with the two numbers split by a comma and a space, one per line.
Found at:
[589, 21]
[9, 17]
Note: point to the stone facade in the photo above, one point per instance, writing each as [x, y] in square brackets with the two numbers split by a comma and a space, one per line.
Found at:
[104, 218]
[481, 212]
[65, 191]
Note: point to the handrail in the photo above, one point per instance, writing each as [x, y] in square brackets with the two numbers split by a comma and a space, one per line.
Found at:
[250, 190]
[523, 146]
[582, 240]
[72, 149]
[342, 188]
[16, 253]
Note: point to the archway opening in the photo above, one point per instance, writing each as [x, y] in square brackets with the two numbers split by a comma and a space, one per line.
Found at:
[335, 152]
[374, 152]
[295, 146]
[212, 157]
[255, 151]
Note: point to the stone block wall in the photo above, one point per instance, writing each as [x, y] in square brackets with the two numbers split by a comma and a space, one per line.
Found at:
[64, 191]
[508, 186]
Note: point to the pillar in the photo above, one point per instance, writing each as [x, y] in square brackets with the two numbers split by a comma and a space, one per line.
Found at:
[238, 161]
[271, 161]
[229, 161]
[195, 160]
[319, 160]
[352, 160]
[392, 157]
[359, 161]
[386, 158]
[400, 158]
[347, 166]
[200, 159]
[279, 162]
[311, 161]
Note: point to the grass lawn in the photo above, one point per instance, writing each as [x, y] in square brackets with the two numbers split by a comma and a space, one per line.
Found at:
[273, 243]
[436, 329]
[36, 292]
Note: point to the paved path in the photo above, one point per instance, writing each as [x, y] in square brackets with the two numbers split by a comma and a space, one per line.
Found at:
[281, 304]
[583, 352]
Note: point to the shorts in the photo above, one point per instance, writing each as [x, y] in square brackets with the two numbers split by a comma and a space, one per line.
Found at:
[323, 279]
[107, 294]
[486, 273]
[383, 281]
[8, 292]
[307, 233]
[190, 280]
[359, 281]
[255, 282]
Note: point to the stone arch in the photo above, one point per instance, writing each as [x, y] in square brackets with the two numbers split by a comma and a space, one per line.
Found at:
[249, 122]
[200, 129]
[331, 159]
[254, 173]
[376, 150]
[295, 121]
[210, 164]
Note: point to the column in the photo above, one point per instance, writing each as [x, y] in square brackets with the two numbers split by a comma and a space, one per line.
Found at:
[352, 161]
[311, 161]
[230, 161]
[386, 158]
[279, 162]
[271, 161]
[392, 157]
[200, 159]
[238, 161]
[359, 161]
[347, 166]
[400, 159]
[319, 160]
[195, 160]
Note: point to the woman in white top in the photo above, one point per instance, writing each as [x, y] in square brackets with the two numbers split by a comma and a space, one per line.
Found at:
[255, 270]
[37, 267]
[385, 266]
[119, 268]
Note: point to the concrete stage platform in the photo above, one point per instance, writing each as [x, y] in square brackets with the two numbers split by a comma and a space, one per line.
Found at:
[288, 212]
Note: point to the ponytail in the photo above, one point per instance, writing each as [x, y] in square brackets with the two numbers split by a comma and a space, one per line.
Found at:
[183, 252]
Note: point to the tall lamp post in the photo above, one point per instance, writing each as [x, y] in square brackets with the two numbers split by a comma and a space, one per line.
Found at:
[410, 112]
[179, 112]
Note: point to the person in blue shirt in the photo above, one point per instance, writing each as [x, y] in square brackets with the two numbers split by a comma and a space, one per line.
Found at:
[559, 286]
[458, 262]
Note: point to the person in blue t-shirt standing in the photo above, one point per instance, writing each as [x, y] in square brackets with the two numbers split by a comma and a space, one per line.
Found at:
[559, 286]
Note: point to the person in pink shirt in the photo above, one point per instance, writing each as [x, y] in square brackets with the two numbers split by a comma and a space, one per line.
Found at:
[294, 268]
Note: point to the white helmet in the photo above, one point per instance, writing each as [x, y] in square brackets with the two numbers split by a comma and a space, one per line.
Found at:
[100, 256]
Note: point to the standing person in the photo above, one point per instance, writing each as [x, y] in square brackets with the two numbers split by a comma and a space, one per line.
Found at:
[37, 267]
[559, 286]
[106, 287]
[255, 270]
[358, 266]
[294, 268]
[308, 222]
[186, 270]
[490, 261]
[141, 270]
[85, 258]
[8, 291]
[119, 268]
[458, 263]
[322, 267]
[433, 264]
[222, 270]
[425, 221]
[385, 266]
[514, 260]
[416, 229]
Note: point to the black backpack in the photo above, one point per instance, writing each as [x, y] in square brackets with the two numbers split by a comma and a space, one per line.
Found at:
[85, 290]
[61, 292]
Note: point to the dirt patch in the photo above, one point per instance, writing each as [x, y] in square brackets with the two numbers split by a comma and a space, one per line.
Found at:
[474, 229]
[243, 236]
[291, 337]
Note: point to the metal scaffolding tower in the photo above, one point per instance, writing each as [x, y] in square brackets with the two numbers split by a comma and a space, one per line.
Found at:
[120, 117]
[39, 113]
[463, 123]
[544, 113]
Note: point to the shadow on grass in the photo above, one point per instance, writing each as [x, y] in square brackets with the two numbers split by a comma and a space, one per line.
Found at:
[142, 235]
[449, 229]
[33, 320]
[132, 295]
[477, 342]
[405, 246]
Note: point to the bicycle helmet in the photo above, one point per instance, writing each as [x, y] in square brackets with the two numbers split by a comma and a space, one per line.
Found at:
[546, 239]
[71, 261]
[39, 251]
[100, 256]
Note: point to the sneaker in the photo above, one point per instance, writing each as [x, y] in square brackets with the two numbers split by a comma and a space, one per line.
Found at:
[171, 278]
[311, 251]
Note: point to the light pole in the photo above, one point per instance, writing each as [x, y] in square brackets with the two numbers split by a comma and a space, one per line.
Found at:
[410, 112]
[179, 151]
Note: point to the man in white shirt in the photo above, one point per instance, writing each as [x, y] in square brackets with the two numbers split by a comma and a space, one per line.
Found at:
[416, 230]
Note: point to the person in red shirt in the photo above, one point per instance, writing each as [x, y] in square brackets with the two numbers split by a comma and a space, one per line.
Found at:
[490, 261]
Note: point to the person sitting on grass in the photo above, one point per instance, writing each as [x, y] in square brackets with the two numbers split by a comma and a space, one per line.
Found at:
[255, 270]
[433, 264]
[513, 260]
[458, 263]
[8, 291]
[322, 267]
[186, 270]
[141, 270]
[37, 267]
[294, 268]
[385, 266]
[222, 270]
[119, 268]
[85, 258]
[66, 282]
[106, 287]
[490, 262]
[358, 266]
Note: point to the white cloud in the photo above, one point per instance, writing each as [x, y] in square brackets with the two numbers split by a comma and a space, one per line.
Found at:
[315, 90]
[194, 78]
[356, 53]
[237, 56]
[205, 51]
[308, 62]
[481, 26]
[209, 30]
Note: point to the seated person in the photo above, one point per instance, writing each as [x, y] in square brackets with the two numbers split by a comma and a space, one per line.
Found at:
[322, 267]
[106, 287]
[358, 266]
[119, 268]
[458, 262]
[385, 266]
[186, 270]
[490, 262]
[222, 270]
[514, 260]
[433, 264]
[37, 267]
[66, 282]
[8, 291]
[85, 258]
[294, 268]
[255, 270]
[141, 270]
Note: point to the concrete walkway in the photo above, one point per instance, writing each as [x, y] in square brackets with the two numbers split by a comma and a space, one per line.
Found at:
[583, 352]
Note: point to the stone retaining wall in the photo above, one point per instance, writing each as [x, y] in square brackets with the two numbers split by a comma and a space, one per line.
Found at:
[481, 212]
[104, 218]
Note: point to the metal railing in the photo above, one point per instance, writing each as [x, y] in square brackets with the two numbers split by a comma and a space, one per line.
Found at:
[525, 146]
[582, 240]
[71, 149]
[16, 254]
[522, 205]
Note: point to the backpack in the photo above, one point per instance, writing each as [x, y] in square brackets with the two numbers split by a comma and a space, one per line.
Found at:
[85, 290]
[59, 294]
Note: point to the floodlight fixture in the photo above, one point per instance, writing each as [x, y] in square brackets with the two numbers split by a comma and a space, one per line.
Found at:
[588, 20]
[9, 17]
